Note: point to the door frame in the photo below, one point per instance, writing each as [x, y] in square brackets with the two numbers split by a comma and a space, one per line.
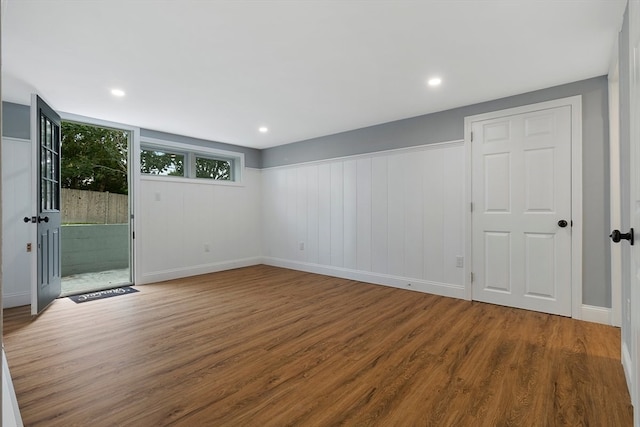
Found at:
[575, 102]
[134, 178]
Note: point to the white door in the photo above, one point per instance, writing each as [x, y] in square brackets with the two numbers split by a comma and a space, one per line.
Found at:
[521, 220]
[634, 219]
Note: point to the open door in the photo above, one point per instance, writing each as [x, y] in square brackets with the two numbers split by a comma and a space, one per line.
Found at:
[45, 139]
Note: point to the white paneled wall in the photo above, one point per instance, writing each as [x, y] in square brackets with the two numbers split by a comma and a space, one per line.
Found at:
[395, 218]
[186, 227]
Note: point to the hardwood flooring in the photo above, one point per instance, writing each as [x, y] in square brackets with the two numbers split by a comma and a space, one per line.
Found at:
[263, 346]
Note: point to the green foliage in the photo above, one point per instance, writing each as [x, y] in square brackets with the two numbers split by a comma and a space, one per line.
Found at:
[94, 158]
[161, 163]
[213, 169]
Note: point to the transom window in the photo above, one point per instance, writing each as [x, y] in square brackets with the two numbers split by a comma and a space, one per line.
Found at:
[189, 162]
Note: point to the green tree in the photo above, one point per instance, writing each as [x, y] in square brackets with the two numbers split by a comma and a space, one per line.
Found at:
[215, 169]
[161, 163]
[94, 158]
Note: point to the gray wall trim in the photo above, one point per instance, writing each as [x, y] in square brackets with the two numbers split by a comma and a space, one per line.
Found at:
[431, 128]
[16, 120]
[252, 156]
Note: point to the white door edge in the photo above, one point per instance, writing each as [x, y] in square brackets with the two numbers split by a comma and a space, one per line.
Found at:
[575, 102]
[34, 200]
[615, 212]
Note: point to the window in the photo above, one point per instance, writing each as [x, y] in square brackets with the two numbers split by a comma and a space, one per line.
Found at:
[156, 162]
[180, 160]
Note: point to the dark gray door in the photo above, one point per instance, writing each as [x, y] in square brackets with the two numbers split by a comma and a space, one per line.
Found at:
[47, 126]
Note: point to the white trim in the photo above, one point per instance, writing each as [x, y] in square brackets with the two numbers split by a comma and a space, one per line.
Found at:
[185, 180]
[426, 286]
[615, 213]
[16, 300]
[575, 102]
[433, 146]
[178, 273]
[134, 183]
[590, 313]
[35, 156]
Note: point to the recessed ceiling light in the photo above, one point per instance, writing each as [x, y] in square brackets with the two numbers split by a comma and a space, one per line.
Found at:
[263, 129]
[117, 92]
[435, 81]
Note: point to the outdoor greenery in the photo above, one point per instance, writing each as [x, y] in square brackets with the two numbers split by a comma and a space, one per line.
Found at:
[155, 162]
[94, 158]
[213, 169]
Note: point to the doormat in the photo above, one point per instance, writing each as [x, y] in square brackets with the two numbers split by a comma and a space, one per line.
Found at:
[102, 294]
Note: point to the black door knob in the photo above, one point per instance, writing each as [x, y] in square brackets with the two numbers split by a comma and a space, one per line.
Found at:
[27, 219]
[562, 223]
[45, 219]
[616, 236]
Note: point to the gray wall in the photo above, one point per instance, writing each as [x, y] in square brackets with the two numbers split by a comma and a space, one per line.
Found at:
[15, 120]
[449, 125]
[93, 248]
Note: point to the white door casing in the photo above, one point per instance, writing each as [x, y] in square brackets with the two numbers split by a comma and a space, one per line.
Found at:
[524, 168]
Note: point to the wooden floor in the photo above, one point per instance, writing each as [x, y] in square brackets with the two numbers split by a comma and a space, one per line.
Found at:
[263, 346]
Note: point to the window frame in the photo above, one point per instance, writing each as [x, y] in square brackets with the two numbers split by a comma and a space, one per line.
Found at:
[190, 152]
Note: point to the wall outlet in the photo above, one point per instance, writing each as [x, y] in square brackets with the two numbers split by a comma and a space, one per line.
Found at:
[157, 196]
[207, 247]
[301, 246]
[459, 261]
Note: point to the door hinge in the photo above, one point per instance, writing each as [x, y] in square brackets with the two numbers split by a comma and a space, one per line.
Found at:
[471, 136]
[133, 235]
[471, 277]
[471, 206]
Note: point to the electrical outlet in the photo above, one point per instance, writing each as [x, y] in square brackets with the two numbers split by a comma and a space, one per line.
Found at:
[207, 247]
[459, 261]
[301, 246]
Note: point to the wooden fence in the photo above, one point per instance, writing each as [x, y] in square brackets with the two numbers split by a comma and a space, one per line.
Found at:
[92, 207]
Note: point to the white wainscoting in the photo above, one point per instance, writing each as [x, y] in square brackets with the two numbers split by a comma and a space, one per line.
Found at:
[189, 227]
[16, 204]
[394, 218]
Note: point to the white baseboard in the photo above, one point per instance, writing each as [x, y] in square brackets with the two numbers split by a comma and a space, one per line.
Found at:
[177, 273]
[16, 300]
[595, 314]
[436, 288]
[628, 368]
[10, 410]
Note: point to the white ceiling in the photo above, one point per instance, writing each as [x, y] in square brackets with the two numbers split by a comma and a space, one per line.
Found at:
[218, 70]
